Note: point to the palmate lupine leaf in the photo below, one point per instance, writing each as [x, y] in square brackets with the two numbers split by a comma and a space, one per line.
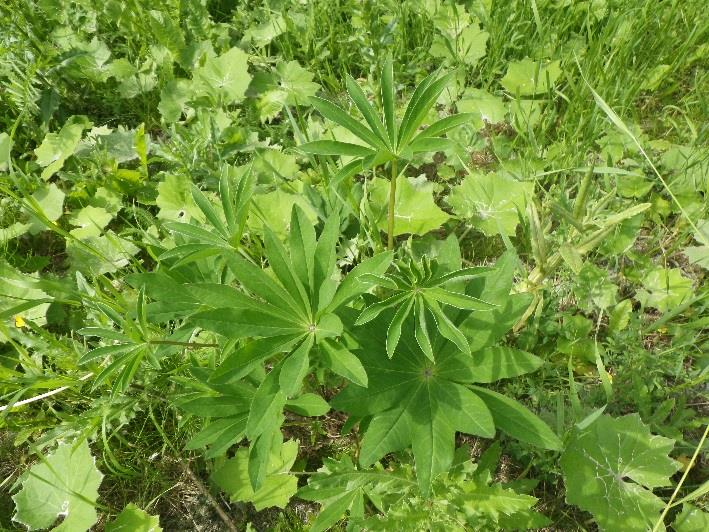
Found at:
[420, 288]
[387, 139]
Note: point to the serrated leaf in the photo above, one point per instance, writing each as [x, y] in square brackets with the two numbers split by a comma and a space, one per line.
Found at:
[133, 519]
[64, 483]
[610, 469]
[528, 77]
[277, 487]
[58, 147]
[664, 289]
[691, 519]
[415, 210]
[491, 202]
[225, 77]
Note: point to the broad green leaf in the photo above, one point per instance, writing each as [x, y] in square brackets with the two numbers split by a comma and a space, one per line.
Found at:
[593, 288]
[415, 210]
[50, 200]
[173, 98]
[175, 199]
[274, 209]
[412, 403]
[133, 519]
[18, 288]
[90, 221]
[278, 486]
[106, 254]
[468, 47]
[691, 519]
[491, 202]
[514, 419]
[528, 77]
[225, 77]
[65, 483]
[58, 147]
[664, 289]
[484, 107]
[610, 469]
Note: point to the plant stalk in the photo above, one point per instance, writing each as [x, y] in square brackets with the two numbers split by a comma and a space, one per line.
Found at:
[392, 204]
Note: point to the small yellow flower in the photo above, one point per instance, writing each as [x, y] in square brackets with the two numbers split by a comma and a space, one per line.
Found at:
[20, 322]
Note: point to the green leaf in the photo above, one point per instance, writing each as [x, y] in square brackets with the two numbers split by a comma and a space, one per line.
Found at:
[388, 97]
[278, 486]
[58, 147]
[308, 404]
[351, 286]
[664, 289]
[133, 519]
[528, 77]
[691, 519]
[484, 107]
[334, 113]
[514, 419]
[370, 115]
[173, 97]
[491, 202]
[414, 211]
[610, 468]
[64, 483]
[175, 199]
[225, 77]
[420, 104]
[334, 147]
[341, 361]
[50, 202]
[302, 244]
[295, 368]
[457, 300]
[499, 362]
[412, 402]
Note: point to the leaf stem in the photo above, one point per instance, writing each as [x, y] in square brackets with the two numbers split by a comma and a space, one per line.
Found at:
[392, 204]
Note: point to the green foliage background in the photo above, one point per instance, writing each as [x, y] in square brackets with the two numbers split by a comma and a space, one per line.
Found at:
[418, 265]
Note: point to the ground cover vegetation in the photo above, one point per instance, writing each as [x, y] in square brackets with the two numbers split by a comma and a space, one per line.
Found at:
[353, 265]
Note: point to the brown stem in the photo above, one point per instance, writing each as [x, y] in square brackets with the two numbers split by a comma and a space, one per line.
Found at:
[212, 501]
